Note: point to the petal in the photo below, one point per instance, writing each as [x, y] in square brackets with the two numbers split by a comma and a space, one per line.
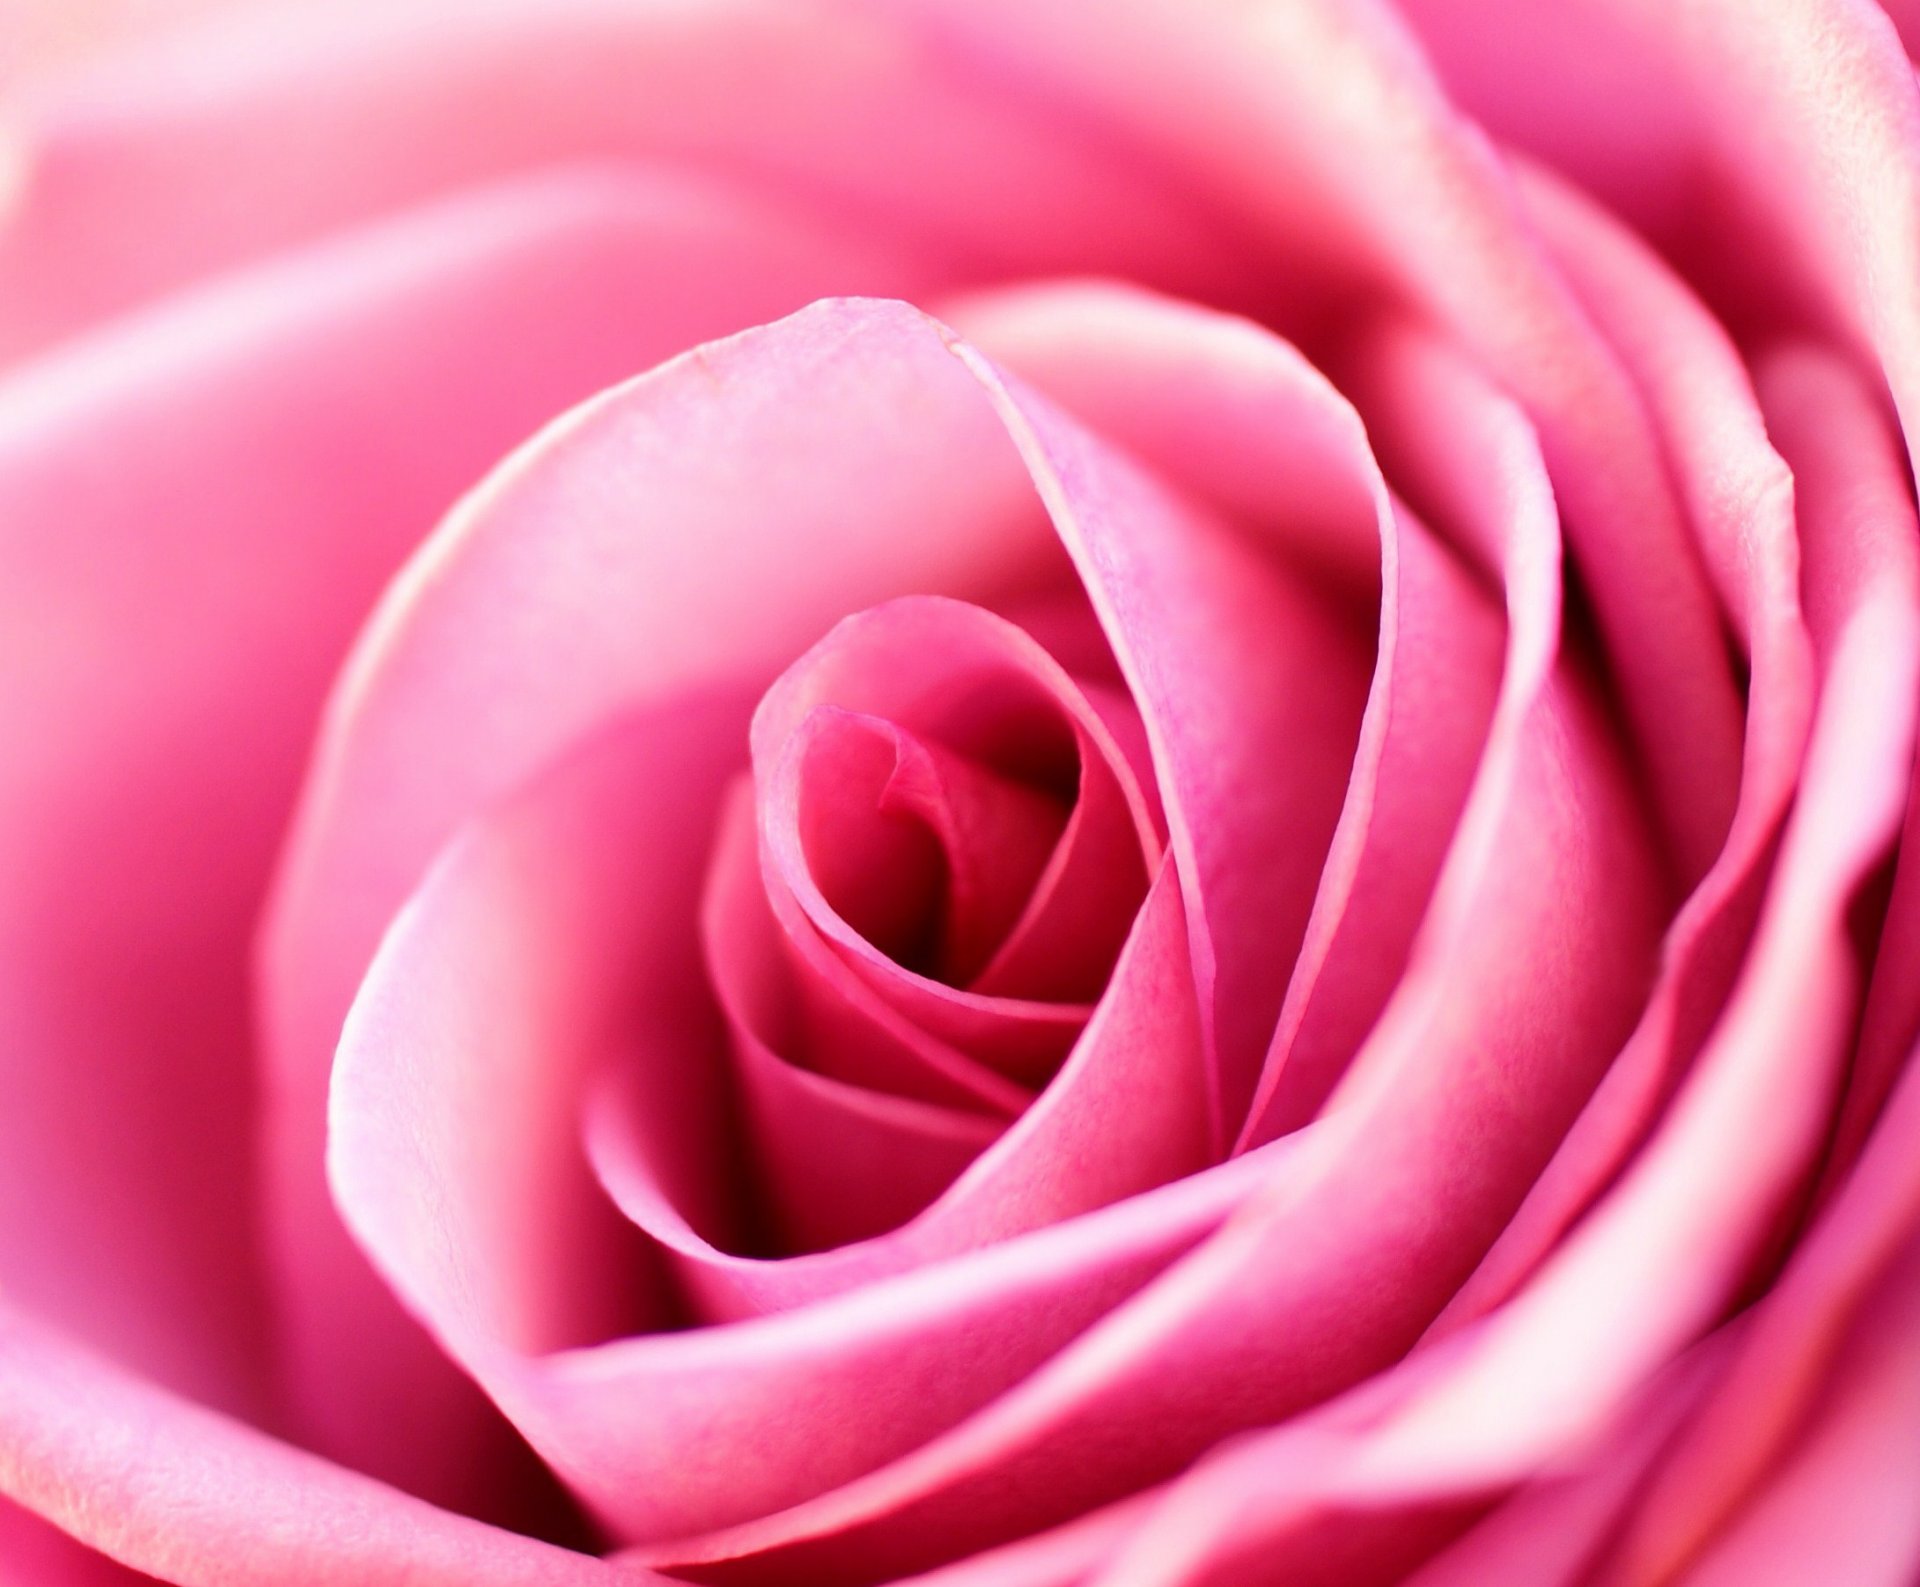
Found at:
[1320, 125]
[785, 989]
[173, 1489]
[835, 1161]
[43, 1556]
[1740, 496]
[1250, 686]
[1842, 1504]
[461, 691]
[1362, 1229]
[945, 668]
[1695, 1208]
[1235, 416]
[1843, 455]
[261, 130]
[258, 456]
[538, 613]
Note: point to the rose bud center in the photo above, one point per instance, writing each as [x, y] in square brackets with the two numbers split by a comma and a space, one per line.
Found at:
[915, 905]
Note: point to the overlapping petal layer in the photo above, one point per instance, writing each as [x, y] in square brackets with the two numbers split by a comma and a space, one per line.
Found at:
[1051, 944]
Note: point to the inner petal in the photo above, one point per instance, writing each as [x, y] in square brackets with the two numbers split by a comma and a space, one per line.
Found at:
[929, 854]
[948, 817]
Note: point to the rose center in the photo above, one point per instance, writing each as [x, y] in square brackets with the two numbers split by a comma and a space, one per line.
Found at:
[929, 854]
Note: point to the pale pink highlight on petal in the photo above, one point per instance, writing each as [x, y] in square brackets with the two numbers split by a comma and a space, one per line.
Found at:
[194, 1498]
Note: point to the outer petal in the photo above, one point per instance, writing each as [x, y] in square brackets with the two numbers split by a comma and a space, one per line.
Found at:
[184, 1494]
[195, 512]
[1842, 1507]
[264, 130]
[1542, 1377]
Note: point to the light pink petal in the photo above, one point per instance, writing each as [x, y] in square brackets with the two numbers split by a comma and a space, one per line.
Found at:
[517, 972]
[1321, 126]
[1775, 158]
[1701, 1200]
[1740, 498]
[1830, 434]
[1841, 1508]
[183, 1493]
[170, 1488]
[456, 1154]
[1236, 416]
[622, 560]
[195, 512]
[1278, 1502]
[1250, 685]
[1798, 1343]
[259, 131]
[543, 610]
[1360, 1232]
[1550, 1533]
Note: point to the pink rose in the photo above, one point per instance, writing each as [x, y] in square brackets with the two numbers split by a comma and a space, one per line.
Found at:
[999, 791]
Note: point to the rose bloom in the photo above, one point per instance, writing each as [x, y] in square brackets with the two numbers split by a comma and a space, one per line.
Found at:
[998, 792]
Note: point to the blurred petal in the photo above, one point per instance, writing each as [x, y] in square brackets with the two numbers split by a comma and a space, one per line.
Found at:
[256, 132]
[171, 1488]
[198, 509]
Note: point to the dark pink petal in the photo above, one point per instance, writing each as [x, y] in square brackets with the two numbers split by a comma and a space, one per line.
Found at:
[1121, 1117]
[930, 854]
[1905, 16]
[785, 989]
[1064, 1557]
[830, 1162]
[41, 1555]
